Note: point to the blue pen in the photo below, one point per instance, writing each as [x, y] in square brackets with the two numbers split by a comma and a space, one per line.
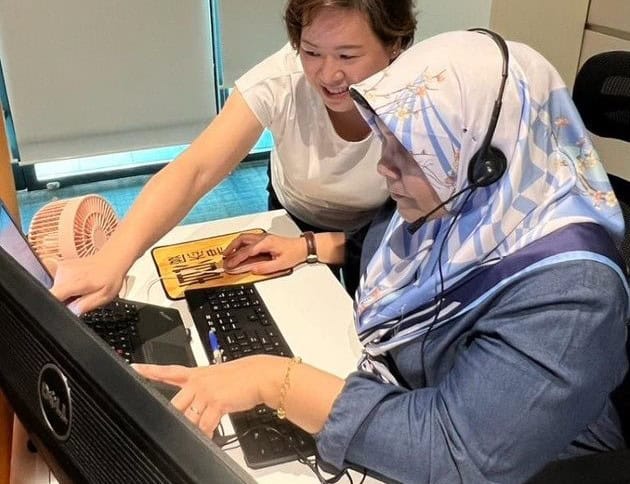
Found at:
[214, 346]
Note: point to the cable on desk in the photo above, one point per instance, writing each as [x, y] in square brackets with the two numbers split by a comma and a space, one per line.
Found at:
[220, 438]
[152, 282]
[313, 463]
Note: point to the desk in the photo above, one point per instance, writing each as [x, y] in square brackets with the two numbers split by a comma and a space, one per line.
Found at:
[310, 306]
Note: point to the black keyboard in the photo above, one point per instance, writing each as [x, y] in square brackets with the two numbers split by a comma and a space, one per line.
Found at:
[243, 327]
[115, 323]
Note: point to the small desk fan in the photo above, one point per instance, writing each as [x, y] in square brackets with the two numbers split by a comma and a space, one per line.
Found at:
[70, 228]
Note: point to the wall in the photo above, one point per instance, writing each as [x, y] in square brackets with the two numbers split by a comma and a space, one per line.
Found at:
[239, 16]
[586, 28]
[250, 31]
[552, 27]
[435, 17]
[608, 28]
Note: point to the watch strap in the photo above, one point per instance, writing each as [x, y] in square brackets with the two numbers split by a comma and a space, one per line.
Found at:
[311, 248]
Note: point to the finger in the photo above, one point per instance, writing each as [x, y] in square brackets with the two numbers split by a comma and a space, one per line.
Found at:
[250, 255]
[270, 267]
[147, 370]
[79, 306]
[183, 399]
[88, 302]
[85, 297]
[233, 246]
[171, 374]
[209, 421]
[194, 411]
[242, 240]
[234, 260]
[61, 292]
[238, 257]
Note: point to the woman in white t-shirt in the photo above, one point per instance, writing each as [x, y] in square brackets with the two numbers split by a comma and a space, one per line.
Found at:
[323, 167]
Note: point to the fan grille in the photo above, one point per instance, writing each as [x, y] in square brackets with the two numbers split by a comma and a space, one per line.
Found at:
[75, 227]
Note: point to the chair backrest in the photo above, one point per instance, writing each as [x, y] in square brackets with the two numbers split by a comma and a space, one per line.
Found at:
[602, 95]
[621, 188]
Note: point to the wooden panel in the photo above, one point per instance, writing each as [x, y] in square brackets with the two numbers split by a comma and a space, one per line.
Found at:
[7, 184]
[8, 195]
[613, 14]
[594, 43]
[615, 155]
[437, 17]
[553, 28]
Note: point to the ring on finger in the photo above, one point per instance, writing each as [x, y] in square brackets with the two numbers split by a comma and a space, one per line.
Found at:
[194, 410]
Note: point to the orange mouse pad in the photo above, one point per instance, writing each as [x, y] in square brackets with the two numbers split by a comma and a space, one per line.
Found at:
[199, 263]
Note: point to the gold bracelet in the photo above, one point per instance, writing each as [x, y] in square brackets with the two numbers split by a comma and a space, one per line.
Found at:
[281, 413]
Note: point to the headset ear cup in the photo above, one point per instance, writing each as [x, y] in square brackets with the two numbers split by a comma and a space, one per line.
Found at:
[486, 168]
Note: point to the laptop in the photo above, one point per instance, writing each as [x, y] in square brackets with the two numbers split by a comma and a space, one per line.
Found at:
[158, 335]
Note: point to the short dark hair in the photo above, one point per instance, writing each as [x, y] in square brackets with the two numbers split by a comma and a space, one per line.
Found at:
[391, 20]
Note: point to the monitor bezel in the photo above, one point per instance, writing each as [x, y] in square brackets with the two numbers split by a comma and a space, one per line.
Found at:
[161, 430]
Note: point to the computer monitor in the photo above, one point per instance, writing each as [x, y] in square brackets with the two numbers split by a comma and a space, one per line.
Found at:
[87, 412]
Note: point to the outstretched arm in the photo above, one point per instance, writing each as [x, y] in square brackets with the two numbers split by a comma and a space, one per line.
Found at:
[282, 252]
[214, 391]
[535, 376]
[526, 374]
[164, 201]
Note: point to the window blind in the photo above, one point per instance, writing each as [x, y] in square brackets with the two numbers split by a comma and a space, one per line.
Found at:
[88, 77]
[250, 31]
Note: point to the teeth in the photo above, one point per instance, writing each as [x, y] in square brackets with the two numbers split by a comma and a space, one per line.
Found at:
[338, 90]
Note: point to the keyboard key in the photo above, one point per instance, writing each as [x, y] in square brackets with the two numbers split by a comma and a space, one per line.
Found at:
[115, 323]
[250, 329]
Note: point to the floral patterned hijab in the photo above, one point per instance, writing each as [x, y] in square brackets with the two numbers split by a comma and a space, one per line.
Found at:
[437, 99]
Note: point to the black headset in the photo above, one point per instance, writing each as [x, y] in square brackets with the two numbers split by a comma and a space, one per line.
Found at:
[486, 167]
[489, 163]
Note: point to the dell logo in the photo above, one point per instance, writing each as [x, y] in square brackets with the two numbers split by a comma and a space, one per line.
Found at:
[54, 403]
[54, 400]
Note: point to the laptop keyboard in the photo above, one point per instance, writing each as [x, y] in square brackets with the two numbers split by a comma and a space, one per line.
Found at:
[115, 323]
[243, 327]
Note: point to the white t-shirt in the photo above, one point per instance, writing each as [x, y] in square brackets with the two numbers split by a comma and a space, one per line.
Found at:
[318, 176]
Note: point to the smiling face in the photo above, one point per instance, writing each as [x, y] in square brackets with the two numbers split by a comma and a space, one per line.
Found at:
[339, 48]
[407, 184]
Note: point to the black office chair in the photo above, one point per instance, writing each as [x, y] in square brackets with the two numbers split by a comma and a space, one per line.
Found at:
[602, 96]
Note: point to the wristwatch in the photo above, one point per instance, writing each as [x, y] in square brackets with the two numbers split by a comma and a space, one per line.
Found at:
[311, 249]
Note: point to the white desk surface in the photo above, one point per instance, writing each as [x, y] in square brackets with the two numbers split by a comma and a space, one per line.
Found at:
[311, 308]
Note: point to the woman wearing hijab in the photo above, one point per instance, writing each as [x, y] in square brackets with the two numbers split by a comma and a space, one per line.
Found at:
[492, 304]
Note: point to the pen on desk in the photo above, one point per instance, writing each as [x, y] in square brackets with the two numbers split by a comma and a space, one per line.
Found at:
[217, 354]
